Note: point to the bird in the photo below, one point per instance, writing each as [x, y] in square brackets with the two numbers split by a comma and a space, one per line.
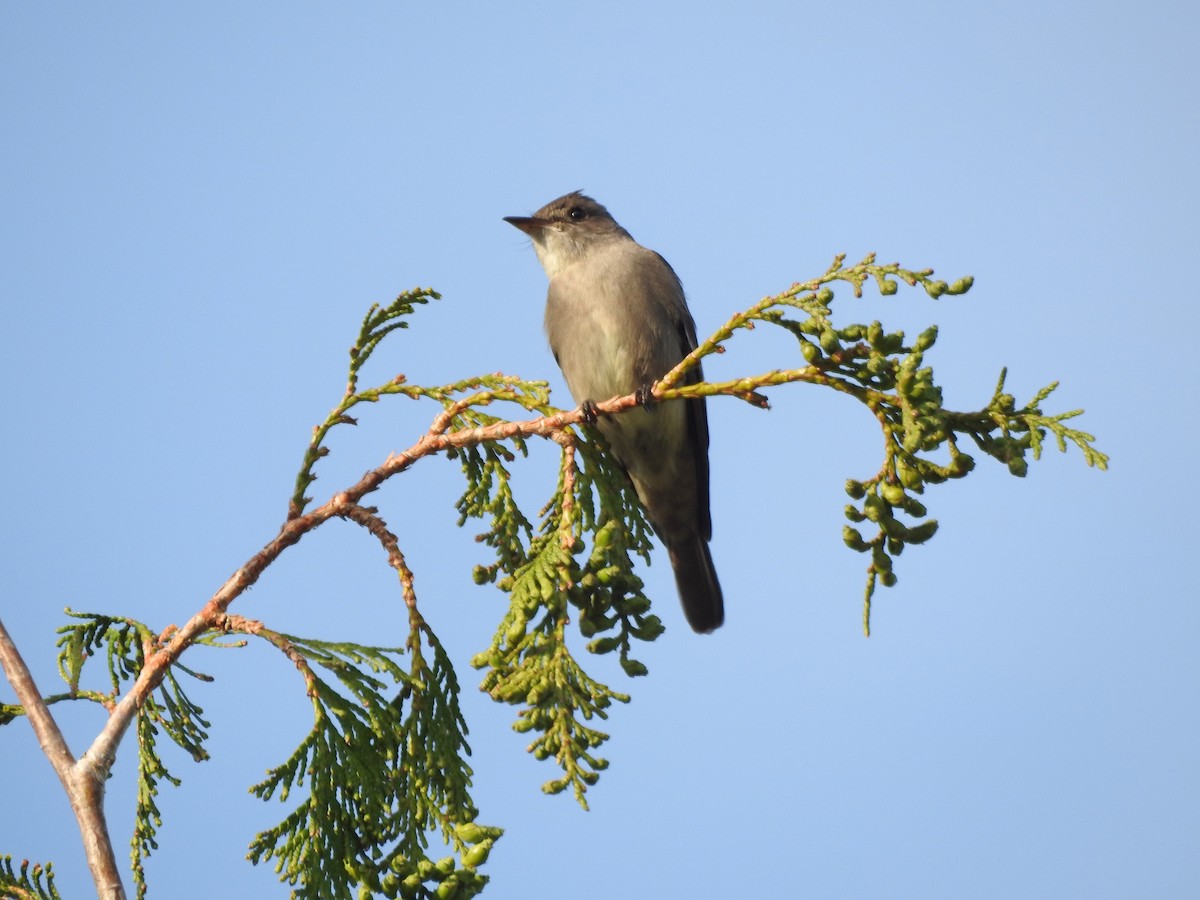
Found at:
[617, 321]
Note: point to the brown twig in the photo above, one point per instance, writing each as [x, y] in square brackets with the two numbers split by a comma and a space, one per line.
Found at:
[566, 440]
[368, 519]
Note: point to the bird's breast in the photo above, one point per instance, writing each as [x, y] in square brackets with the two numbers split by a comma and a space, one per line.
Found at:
[597, 336]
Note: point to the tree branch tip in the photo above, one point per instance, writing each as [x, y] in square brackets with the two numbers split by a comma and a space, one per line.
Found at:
[755, 399]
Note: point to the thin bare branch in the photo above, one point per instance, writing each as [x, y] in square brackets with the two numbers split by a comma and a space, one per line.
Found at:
[51, 739]
[82, 780]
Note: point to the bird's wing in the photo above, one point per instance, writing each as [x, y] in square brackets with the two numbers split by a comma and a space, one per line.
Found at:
[697, 408]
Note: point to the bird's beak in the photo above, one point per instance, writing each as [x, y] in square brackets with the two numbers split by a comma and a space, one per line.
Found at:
[528, 224]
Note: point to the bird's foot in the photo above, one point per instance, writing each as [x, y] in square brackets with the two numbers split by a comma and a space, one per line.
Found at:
[645, 396]
[590, 413]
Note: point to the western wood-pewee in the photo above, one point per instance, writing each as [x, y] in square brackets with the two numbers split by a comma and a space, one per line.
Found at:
[617, 321]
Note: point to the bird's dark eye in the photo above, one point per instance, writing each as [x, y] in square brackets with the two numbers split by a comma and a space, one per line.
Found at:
[577, 213]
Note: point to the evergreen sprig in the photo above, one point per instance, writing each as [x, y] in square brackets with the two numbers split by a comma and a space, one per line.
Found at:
[529, 664]
[382, 776]
[886, 372]
[379, 322]
[168, 710]
[607, 591]
[33, 881]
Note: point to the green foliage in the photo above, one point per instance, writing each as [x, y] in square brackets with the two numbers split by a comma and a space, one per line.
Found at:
[379, 322]
[382, 775]
[32, 881]
[605, 587]
[886, 372]
[168, 710]
[529, 663]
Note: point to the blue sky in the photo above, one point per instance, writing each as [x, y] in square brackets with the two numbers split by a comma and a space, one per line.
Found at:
[200, 203]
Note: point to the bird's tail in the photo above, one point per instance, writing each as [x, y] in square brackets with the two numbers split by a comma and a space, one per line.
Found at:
[699, 590]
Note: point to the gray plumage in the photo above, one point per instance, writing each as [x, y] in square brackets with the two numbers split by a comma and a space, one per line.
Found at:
[617, 321]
